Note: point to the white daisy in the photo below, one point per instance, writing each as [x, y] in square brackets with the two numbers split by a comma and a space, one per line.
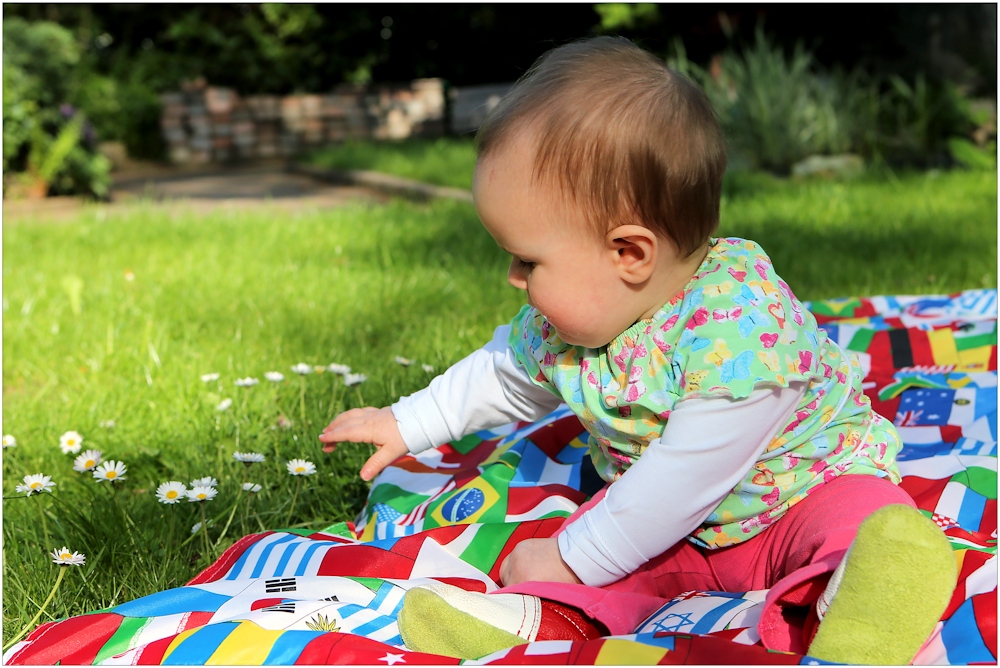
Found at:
[207, 481]
[427, 367]
[302, 369]
[301, 467]
[201, 493]
[87, 461]
[64, 557]
[36, 484]
[354, 379]
[224, 405]
[319, 369]
[209, 377]
[248, 457]
[70, 442]
[108, 424]
[251, 487]
[9, 441]
[274, 376]
[246, 382]
[342, 369]
[111, 471]
[171, 492]
[402, 360]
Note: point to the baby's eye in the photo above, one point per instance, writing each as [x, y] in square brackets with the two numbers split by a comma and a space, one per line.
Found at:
[523, 264]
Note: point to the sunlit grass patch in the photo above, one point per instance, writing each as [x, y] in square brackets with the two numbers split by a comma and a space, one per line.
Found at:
[445, 162]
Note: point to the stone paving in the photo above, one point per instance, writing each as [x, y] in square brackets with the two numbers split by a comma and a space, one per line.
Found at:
[205, 189]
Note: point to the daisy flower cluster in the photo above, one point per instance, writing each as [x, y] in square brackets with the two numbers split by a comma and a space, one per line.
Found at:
[202, 489]
[342, 370]
[405, 361]
[89, 461]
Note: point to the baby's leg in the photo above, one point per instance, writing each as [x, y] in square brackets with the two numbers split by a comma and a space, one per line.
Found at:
[798, 554]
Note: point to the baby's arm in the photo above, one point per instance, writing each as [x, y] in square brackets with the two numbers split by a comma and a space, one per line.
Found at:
[705, 451]
[486, 389]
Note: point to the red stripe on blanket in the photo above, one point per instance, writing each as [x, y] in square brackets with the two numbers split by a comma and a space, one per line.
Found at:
[971, 562]
[195, 619]
[989, 523]
[984, 606]
[468, 584]
[73, 641]
[926, 493]
[920, 347]
[228, 558]
[522, 499]
[365, 561]
[343, 649]
[152, 654]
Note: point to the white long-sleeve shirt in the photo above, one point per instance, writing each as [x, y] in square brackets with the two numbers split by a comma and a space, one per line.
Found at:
[706, 449]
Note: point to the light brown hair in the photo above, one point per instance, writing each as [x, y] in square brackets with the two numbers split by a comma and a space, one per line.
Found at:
[623, 133]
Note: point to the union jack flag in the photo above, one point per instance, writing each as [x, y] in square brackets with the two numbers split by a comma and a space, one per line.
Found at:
[908, 418]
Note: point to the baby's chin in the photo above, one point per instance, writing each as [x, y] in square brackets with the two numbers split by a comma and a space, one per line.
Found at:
[582, 341]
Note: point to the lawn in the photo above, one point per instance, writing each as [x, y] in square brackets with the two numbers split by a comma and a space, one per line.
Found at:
[116, 316]
[444, 162]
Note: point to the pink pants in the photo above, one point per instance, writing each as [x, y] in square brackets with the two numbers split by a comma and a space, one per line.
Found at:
[793, 558]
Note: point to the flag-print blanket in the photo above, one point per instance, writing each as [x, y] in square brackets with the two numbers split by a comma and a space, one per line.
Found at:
[454, 513]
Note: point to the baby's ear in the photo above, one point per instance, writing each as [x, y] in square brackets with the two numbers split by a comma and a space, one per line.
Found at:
[633, 249]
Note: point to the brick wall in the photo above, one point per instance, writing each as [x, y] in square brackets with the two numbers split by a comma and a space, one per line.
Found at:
[203, 123]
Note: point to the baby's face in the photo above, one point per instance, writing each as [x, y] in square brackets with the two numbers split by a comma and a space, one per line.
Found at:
[569, 274]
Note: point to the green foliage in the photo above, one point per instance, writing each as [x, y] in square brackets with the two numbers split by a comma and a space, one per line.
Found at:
[778, 108]
[616, 16]
[925, 116]
[45, 138]
[971, 156]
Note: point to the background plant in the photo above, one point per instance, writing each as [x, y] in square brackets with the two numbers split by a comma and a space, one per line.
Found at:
[45, 136]
[778, 108]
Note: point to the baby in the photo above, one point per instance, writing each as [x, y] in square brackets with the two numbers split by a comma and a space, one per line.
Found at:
[738, 448]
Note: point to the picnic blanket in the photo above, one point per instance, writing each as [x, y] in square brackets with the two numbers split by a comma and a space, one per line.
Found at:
[454, 513]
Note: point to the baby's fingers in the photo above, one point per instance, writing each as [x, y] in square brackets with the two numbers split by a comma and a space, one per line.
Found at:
[348, 416]
[359, 429]
[384, 456]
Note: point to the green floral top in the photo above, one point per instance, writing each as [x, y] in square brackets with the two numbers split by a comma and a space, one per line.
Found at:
[734, 328]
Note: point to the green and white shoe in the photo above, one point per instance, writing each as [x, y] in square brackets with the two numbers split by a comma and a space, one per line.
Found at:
[441, 619]
[888, 593]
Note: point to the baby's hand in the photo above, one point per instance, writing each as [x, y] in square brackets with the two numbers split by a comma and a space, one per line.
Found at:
[367, 425]
[536, 560]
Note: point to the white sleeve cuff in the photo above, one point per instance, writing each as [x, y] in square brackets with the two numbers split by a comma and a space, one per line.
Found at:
[485, 390]
[597, 550]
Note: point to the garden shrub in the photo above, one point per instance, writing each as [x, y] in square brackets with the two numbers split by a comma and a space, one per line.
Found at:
[49, 146]
[777, 109]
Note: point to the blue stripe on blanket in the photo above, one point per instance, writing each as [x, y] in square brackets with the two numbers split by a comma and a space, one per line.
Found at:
[172, 602]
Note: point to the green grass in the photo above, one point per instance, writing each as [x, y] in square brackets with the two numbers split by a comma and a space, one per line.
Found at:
[241, 293]
[444, 162]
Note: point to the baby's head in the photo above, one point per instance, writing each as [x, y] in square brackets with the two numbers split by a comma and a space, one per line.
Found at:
[600, 137]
